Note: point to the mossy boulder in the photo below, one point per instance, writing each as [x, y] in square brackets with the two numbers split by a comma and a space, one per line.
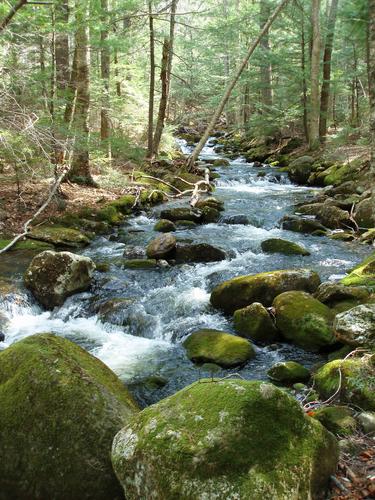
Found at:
[254, 322]
[365, 213]
[164, 226]
[288, 372]
[221, 162]
[242, 291]
[299, 170]
[301, 225]
[28, 245]
[225, 439]
[210, 202]
[161, 247]
[221, 348]
[278, 245]
[140, 264]
[110, 214]
[331, 293]
[59, 409]
[181, 213]
[357, 381]
[210, 215]
[199, 252]
[363, 274]
[124, 204]
[59, 236]
[337, 419]
[54, 276]
[237, 219]
[186, 224]
[336, 174]
[356, 327]
[303, 320]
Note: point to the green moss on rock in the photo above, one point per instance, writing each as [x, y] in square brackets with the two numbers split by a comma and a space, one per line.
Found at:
[59, 236]
[337, 419]
[109, 214]
[288, 372]
[363, 274]
[255, 323]
[225, 439]
[33, 245]
[140, 264]
[278, 245]
[59, 409]
[221, 348]
[164, 226]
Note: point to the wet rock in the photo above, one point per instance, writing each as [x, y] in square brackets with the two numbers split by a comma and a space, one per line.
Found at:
[363, 274]
[164, 226]
[221, 348]
[161, 247]
[210, 215]
[367, 421]
[61, 407]
[301, 225]
[288, 372]
[59, 236]
[116, 311]
[329, 293]
[186, 224]
[299, 170]
[225, 439]
[255, 323]
[175, 214]
[200, 252]
[239, 219]
[140, 264]
[341, 236]
[368, 237]
[365, 213]
[210, 202]
[278, 245]
[242, 291]
[357, 381]
[356, 327]
[337, 419]
[131, 252]
[54, 276]
[303, 320]
[221, 162]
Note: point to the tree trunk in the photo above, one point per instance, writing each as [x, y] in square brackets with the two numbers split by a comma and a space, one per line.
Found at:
[80, 170]
[62, 45]
[13, 11]
[150, 129]
[371, 72]
[314, 77]
[105, 75]
[266, 68]
[303, 70]
[327, 62]
[165, 76]
[198, 148]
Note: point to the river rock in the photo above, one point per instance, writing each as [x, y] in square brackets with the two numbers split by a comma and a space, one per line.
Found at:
[356, 327]
[239, 219]
[116, 311]
[210, 215]
[199, 252]
[363, 274]
[301, 225]
[365, 213]
[221, 348]
[54, 276]
[367, 421]
[254, 322]
[299, 170]
[140, 264]
[162, 247]
[210, 202]
[329, 293]
[226, 439]
[131, 252]
[303, 320]
[59, 236]
[185, 224]
[59, 410]
[221, 162]
[180, 213]
[357, 384]
[164, 226]
[242, 291]
[288, 372]
[337, 419]
[278, 245]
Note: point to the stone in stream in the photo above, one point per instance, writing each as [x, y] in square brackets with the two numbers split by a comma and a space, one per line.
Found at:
[221, 162]
[357, 384]
[210, 202]
[330, 293]
[199, 252]
[356, 327]
[288, 372]
[185, 224]
[131, 252]
[278, 245]
[210, 215]
[60, 408]
[301, 225]
[164, 226]
[116, 311]
[255, 323]
[221, 348]
[59, 236]
[240, 219]
[363, 274]
[54, 276]
[180, 213]
[337, 419]
[140, 264]
[365, 214]
[225, 439]
[162, 247]
[242, 291]
[299, 170]
[303, 320]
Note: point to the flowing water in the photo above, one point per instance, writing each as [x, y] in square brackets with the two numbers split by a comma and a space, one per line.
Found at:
[169, 303]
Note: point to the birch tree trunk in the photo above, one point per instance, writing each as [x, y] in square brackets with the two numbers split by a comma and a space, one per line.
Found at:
[327, 60]
[314, 77]
[198, 148]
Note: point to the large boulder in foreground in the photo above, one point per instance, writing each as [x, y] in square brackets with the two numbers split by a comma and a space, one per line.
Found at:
[225, 439]
[356, 327]
[59, 410]
[242, 291]
[357, 385]
[303, 320]
[221, 348]
[54, 276]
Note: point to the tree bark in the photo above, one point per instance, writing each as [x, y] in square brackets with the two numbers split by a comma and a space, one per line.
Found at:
[193, 157]
[105, 75]
[327, 62]
[150, 129]
[266, 68]
[13, 11]
[371, 72]
[80, 170]
[303, 69]
[314, 77]
[62, 45]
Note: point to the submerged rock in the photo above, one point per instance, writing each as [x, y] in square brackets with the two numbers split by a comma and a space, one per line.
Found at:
[303, 320]
[140, 264]
[199, 252]
[161, 247]
[116, 311]
[278, 245]
[301, 225]
[54, 276]
[59, 409]
[221, 348]
[356, 327]
[242, 291]
[255, 323]
[239, 219]
[288, 372]
[164, 226]
[225, 439]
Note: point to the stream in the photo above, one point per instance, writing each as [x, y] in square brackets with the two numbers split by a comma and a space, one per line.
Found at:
[169, 303]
